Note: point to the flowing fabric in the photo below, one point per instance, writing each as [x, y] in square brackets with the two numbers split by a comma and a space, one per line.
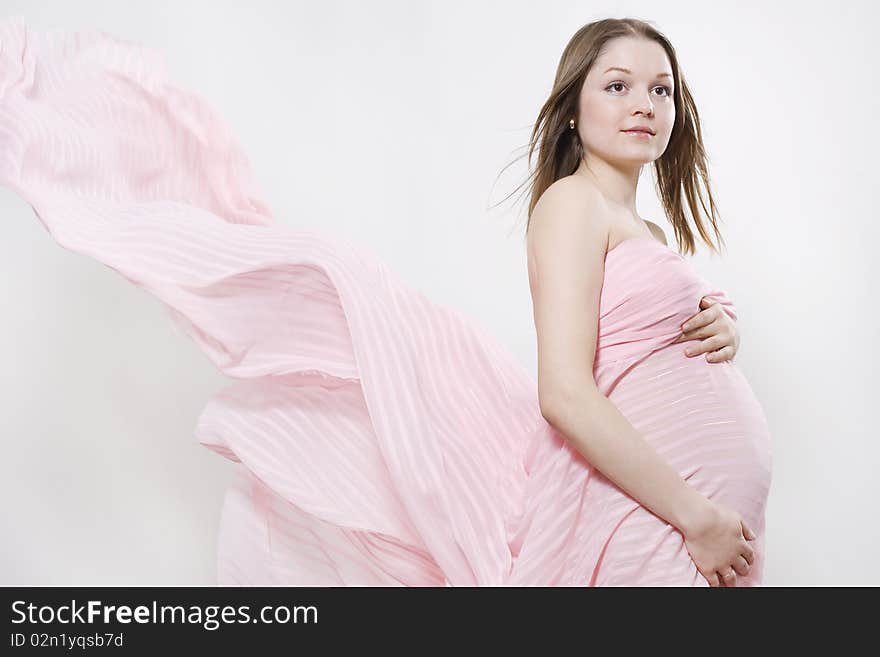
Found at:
[380, 439]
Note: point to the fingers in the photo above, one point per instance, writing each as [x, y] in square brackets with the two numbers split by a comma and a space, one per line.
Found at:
[748, 552]
[741, 566]
[699, 320]
[709, 344]
[729, 577]
[702, 318]
[706, 330]
[713, 579]
[725, 353]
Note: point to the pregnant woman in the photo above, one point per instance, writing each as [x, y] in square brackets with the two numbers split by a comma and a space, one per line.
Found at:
[680, 446]
[380, 438]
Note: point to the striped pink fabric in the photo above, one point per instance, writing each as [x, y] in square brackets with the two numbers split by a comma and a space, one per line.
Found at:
[379, 437]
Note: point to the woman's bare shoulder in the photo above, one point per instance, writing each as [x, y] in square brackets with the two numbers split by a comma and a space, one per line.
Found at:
[574, 193]
[579, 185]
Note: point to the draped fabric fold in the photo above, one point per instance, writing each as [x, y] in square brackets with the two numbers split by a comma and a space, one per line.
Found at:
[350, 405]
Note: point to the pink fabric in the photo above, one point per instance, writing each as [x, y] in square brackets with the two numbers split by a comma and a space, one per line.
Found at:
[380, 438]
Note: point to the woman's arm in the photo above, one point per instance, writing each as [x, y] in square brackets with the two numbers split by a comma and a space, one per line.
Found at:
[598, 430]
[567, 241]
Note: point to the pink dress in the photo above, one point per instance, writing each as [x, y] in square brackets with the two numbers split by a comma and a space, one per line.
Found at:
[380, 438]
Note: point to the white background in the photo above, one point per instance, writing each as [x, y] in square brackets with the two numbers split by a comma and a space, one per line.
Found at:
[390, 122]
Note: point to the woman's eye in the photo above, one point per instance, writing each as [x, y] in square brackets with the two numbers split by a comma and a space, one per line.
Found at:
[620, 84]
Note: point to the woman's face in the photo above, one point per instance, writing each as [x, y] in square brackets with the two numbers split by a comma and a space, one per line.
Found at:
[613, 101]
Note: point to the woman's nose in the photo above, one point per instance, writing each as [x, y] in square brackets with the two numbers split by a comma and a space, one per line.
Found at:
[646, 106]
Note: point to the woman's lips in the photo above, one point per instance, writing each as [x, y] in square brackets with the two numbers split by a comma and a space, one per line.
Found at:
[638, 133]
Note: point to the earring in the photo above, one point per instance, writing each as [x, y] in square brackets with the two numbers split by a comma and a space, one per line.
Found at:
[571, 124]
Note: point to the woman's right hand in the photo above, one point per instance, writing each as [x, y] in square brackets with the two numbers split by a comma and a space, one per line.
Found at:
[718, 545]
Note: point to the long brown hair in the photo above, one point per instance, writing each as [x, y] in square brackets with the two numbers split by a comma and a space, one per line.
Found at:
[678, 171]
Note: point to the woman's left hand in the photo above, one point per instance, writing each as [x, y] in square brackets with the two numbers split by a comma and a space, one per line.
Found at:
[717, 333]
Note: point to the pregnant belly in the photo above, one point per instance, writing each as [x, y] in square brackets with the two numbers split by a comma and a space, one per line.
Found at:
[703, 419]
